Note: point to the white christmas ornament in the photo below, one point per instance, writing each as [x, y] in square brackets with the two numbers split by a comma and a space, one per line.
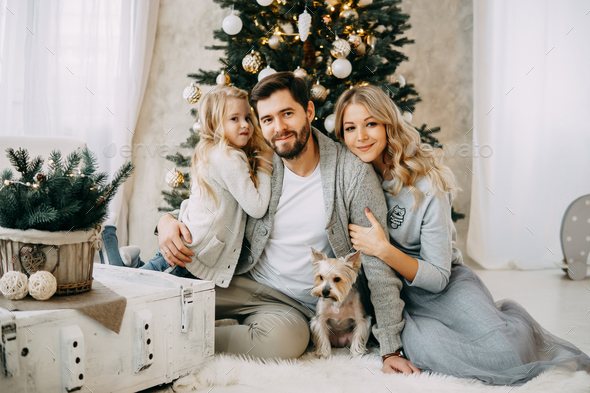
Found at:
[341, 68]
[274, 41]
[197, 126]
[330, 123]
[363, 3]
[407, 116]
[266, 72]
[222, 79]
[304, 24]
[397, 78]
[300, 73]
[42, 285]
[232, 24]
[264, 3]
[14, 285]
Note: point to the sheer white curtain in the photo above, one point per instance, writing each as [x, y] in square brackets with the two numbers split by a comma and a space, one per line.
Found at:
[77, 68]
[532, 99]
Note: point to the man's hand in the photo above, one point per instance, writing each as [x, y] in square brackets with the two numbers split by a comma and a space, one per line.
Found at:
[397, 364]
[171, 245]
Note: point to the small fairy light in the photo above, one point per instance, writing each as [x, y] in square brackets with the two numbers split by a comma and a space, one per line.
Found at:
[35, 185]
[331, 8]
[297, 37]
[6, 182]
[295, 17]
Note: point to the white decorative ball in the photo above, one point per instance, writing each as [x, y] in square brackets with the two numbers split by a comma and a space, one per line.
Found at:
[232, 24]
[266, 72]
[330, 123]
[197, 127]
[42, 285]
[341, 68]
[397, 78]
[222, 79]
[407, 116]
[14, 285]
[274, 41]
[349, 14]
[264, 3]
[363, 3]
[300, 73]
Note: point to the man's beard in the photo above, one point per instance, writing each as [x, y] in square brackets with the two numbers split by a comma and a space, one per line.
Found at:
[290, 153]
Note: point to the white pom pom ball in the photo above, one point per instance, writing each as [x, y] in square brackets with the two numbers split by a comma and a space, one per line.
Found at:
[42, 285]
[232, 24]
[330, 123]
[14, 285]
[341, 68]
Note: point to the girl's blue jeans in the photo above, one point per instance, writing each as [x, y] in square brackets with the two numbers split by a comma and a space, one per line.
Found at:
[157, 263]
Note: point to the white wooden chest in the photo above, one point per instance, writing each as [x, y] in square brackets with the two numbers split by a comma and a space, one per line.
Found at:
[167, 331]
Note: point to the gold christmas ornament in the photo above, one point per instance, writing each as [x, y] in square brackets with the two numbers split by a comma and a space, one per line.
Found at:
[300, 73]
[371, 40]
[340, 48]
[274, 41]
[318, 92]
[252, 62]
[174, 178]
[192, 93]
[222, 79]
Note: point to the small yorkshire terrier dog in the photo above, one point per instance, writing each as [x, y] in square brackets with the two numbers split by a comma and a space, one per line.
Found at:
[340, 318]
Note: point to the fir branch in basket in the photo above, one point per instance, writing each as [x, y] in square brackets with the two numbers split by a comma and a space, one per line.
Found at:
[70, 196]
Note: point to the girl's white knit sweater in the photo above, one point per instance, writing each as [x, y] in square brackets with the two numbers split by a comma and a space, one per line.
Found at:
[217, 227]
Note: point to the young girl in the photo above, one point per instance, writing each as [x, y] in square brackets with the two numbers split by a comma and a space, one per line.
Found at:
[231, 174]
[452, 324]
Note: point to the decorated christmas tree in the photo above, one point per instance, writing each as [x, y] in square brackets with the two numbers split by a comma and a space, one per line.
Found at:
[332, 44]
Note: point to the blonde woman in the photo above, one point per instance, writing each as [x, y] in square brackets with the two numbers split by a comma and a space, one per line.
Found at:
[231, 172]
[452, 324]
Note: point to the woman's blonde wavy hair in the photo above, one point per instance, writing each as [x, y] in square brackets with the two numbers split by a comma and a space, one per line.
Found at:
[406, 158]
[212, 111]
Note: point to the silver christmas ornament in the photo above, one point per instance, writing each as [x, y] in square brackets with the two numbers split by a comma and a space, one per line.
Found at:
[274, 41]
[371, 40]
[318, 92]
[252, 62]
[396, 78]
[354, 40]
[192, 93]
[300, 73]
[340, 48]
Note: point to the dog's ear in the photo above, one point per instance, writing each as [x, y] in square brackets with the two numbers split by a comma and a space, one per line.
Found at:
[317, 256]
[354, 260]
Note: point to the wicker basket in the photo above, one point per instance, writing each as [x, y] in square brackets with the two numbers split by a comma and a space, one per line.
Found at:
[68, 255]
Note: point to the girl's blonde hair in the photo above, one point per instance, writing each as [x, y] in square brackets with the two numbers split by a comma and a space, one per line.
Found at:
[406, 158]
[212, 111]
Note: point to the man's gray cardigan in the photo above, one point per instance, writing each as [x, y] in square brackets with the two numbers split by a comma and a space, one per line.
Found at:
[349, 186]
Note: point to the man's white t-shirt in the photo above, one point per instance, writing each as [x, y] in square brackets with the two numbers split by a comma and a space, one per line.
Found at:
[300, 222]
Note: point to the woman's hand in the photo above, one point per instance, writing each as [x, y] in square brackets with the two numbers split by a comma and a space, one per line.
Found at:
[397, 364]
[171, 245]
[371, 241]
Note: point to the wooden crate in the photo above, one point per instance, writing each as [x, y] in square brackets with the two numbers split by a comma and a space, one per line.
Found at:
[167, 332]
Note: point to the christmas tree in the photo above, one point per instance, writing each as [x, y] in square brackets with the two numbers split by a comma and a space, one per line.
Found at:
[332, 44]
[70, 196]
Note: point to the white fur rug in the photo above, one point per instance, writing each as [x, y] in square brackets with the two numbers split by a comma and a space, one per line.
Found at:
[342, 373]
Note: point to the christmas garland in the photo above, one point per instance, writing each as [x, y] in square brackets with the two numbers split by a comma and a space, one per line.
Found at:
[70, 196]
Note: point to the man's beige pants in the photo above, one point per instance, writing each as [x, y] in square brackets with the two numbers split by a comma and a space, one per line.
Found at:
[272, 325]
